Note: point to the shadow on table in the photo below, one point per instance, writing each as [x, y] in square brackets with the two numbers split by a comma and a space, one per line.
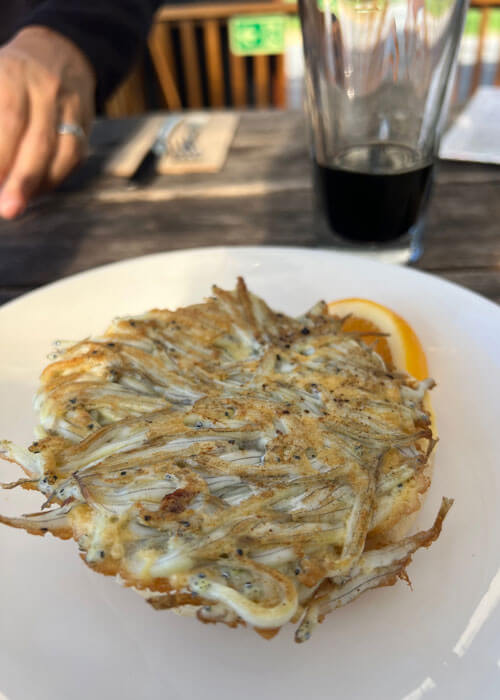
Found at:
[103, 142]
[71, 231]
[45, 243]
[41, 245]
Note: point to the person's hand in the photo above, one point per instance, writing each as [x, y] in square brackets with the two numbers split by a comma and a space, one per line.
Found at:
[45, 80]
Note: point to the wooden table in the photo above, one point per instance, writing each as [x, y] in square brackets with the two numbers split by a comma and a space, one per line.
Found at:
[262, 197]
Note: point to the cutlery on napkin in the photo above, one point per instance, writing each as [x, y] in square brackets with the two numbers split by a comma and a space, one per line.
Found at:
[212, 143]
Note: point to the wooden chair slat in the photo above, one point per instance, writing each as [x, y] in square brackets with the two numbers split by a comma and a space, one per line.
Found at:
[279, 83]
[261, 80]
[191, 66]
[476, 77]
[213, 59]
[238, 80]
[223, 10]
[162, 55]
[169, 50]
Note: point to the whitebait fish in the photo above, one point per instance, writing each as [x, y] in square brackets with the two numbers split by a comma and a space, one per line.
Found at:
[232, 461]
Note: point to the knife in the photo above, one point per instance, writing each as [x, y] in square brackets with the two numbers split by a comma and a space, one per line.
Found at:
[146, 170]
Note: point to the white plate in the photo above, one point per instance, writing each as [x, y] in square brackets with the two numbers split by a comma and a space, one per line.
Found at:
[66, 632]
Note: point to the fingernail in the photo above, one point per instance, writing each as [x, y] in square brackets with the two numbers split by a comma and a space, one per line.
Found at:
[10, 206]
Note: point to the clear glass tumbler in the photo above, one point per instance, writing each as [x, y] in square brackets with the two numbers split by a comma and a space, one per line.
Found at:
[377, 73]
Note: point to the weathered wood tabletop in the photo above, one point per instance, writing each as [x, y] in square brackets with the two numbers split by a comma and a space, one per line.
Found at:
[261, 197]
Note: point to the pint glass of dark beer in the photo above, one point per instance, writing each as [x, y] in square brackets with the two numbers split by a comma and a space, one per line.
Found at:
[377, 79]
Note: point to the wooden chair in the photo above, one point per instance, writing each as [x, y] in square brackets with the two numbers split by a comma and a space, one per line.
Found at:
[486, 7]
[196, 35]
[189, 49]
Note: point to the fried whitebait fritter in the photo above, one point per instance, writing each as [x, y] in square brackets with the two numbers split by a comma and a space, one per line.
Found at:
[232, 461]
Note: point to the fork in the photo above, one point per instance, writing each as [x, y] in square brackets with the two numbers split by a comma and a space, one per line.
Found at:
[186, 148]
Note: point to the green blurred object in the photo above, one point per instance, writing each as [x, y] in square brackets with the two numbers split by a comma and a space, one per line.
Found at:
[331, 4]
[257, 34]
[472, 22]
[494, 22]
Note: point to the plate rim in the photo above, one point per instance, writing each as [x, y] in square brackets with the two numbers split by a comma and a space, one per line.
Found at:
[474, 297]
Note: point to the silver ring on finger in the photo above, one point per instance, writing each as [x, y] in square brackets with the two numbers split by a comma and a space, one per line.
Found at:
[73, 129]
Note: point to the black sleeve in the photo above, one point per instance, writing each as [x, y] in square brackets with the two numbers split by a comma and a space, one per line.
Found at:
[109, 32]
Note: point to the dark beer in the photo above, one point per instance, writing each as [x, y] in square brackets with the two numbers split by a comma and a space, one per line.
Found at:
[373, 193]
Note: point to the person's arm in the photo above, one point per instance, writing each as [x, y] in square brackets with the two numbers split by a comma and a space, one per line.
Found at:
[66, 53]
[108, 32]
